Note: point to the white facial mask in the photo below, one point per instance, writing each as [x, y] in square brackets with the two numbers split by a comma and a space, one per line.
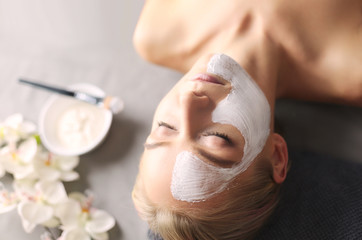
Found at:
[245, 108]
[194, 180]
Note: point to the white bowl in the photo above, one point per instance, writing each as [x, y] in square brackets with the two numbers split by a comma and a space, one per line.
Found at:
[70, 127]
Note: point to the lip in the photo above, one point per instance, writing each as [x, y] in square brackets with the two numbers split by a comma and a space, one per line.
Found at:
[203, 77]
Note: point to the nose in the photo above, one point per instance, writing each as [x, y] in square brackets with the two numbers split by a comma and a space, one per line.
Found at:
[193, 99]
[195, 107]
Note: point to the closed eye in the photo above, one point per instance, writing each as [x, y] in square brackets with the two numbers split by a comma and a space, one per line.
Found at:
[220, 135]
[163, 124]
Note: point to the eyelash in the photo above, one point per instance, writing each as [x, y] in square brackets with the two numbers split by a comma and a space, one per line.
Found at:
[163, 124]
[218, 134]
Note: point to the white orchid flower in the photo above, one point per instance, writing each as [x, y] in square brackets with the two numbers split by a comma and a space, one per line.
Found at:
[15, 128]
[19, 160]
[8, 200]
[39, 195]
[80, 221]
[51, 167]
[37, 204]
[2, 169]
[2, 134]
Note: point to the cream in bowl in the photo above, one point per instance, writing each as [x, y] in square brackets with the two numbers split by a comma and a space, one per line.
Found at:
[69, 127]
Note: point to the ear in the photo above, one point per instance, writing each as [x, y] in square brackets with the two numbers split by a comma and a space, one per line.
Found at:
[279, 158]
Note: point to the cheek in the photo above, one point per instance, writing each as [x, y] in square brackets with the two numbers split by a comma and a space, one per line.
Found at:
[246, 107]
[156, 172]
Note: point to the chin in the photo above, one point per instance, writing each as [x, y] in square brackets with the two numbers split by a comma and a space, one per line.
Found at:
[143, 45]
[161, 52]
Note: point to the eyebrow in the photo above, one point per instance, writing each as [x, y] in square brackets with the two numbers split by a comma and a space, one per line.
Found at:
[219, 161]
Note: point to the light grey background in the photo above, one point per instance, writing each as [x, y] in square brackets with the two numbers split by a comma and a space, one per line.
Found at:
[69, 41]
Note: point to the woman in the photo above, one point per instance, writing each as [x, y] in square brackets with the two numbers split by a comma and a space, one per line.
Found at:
[212, 164]
[306, 50]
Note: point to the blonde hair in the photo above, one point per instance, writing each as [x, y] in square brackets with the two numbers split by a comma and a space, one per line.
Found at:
[247, 206]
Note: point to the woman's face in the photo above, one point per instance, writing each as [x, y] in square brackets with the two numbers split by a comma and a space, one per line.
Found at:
[183, 124]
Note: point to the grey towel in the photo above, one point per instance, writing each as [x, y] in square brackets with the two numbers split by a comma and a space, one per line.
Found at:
[320, 199]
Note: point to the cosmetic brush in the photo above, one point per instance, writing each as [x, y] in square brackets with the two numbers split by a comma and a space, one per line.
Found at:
[114, 104]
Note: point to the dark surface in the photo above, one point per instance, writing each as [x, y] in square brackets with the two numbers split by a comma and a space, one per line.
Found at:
[320, 199]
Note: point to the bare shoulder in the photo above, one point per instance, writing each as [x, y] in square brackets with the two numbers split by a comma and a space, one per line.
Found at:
[322, 47]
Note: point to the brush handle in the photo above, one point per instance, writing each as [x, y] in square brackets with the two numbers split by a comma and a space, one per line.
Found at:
[114, 104]
[49, 88]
